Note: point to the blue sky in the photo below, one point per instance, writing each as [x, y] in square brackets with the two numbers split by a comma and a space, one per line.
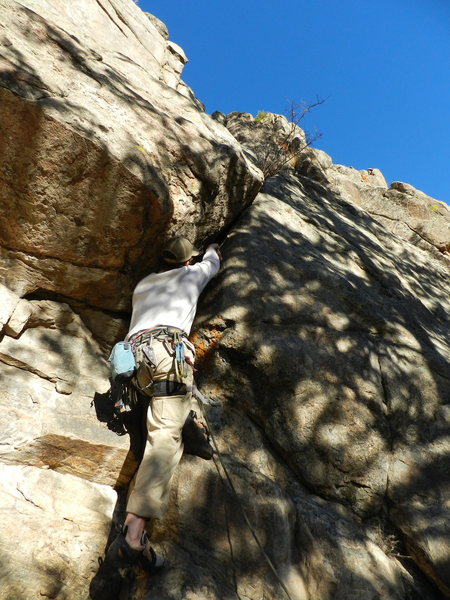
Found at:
[383, 65]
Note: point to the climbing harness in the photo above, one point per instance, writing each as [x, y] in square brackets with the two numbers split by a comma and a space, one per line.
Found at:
[174, 341]
[137, 377]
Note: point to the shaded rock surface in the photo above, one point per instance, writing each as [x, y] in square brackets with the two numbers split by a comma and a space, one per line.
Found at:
[330, 334]
[325, 335]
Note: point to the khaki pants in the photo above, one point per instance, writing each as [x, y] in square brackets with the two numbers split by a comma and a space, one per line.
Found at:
[150, 487]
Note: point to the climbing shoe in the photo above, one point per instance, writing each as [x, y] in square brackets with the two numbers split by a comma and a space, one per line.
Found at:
[120, 554]
[196, 437]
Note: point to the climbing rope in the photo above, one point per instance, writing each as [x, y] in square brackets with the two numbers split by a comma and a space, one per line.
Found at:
[233, 489]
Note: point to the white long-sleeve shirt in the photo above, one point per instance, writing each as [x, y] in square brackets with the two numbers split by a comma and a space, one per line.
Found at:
[170, 298]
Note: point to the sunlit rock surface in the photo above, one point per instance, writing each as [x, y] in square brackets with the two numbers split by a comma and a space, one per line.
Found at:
[105, 151]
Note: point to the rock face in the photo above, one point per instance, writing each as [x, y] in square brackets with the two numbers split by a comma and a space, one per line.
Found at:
[325, 335]
[271, 141]
[105, 151]
[329, 335]
[403, 210]
[56, 514]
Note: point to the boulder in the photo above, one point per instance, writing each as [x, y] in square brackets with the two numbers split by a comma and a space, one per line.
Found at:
[314, 164]
[271, 141]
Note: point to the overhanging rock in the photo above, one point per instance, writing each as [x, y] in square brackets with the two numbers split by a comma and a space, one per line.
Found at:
[105, 150]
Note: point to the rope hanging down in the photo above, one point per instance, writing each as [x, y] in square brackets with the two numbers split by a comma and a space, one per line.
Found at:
[204, 403]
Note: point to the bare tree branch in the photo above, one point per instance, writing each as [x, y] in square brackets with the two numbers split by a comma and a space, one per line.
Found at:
[283, 145]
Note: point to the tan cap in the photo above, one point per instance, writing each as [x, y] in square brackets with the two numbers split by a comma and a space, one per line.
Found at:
[178, 250]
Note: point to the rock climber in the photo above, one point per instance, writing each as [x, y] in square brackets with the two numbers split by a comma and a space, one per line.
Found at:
[164, 306]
